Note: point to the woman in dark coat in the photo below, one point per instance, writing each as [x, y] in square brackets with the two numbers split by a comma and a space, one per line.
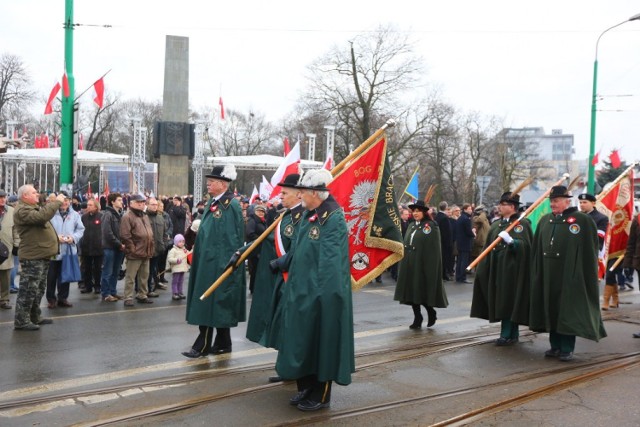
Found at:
[420, 276]
[255, 226]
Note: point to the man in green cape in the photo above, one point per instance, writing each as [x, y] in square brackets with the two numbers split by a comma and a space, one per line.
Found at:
[317, 312]
[501, 286]
[564, 280]
[221, 232]
[265, 317]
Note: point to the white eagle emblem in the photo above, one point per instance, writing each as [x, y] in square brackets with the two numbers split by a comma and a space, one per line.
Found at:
[359, 205]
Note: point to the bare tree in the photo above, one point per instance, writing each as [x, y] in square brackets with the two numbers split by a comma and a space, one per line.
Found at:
[242, 135]
[362, 86]
[15, 91]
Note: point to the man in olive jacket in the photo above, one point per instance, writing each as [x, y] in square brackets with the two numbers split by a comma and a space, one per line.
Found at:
[38, 245]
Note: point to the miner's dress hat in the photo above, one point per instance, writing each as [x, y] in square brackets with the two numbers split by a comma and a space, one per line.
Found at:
[559, 191]
[290, 181]
[420, 204]
[508, 197]
[224, 173]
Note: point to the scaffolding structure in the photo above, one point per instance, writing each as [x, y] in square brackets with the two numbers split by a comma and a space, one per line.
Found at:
[139, 155]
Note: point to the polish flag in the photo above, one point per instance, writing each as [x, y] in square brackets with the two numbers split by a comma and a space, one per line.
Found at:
[265, 189]
[98, 91]
[15, 133]
[66, 91]
[290, 165]
[48, 109]
[328, 164]
[81, 142]
[221, 108]
[89, 192]
[254, 195]
[44, 140]
[596, 159]
[36, 142]
[614, 157]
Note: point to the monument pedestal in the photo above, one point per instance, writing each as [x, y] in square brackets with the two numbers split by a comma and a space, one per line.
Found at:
[174, 175]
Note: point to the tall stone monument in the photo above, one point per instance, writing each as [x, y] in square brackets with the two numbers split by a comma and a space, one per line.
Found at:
[173, 137]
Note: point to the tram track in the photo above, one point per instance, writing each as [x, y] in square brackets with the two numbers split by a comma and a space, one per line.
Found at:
[594, 370]
[406, 351]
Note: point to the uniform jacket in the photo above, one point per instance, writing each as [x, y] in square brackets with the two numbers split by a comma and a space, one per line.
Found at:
[91, 243]
[502, 283]
[602, 223]
[111, 229]
[72, 226]
[160, 235]
[420, 271]
[632, 254]
[564, 279]
[220, 234]
[265, 316]
[317, 322]
[137, 235]
[38, 239]
[9, 236]
[176, 254]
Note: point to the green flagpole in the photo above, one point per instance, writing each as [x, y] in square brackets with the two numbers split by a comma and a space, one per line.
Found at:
[67, 149]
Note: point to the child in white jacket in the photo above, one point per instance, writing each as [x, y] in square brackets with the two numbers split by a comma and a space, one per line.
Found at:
[177, 261]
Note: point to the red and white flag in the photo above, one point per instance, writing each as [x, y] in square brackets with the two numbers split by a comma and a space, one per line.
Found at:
[328, 164]
[81, 142]
[596, 159]
[617, 205]
[364, 189]
[36, 142]
[265, 189]
[221, 108]
[48, 109]
[89, 192]
[98, 92]
[254, 195]
[290, 165]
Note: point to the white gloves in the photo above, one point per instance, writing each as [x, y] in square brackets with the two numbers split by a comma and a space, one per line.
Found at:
[506, 237]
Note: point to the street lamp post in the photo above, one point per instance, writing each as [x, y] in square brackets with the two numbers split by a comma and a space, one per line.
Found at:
[592, 145]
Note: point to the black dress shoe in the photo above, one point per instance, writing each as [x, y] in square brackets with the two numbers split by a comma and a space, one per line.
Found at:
[193, 354]
[309, 405]
[220, 350]
[275, 379]
[636, 335]
[299, 397]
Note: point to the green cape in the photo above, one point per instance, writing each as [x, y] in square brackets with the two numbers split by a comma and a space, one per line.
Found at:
[420, 272]
[220, 234]
[501, 286]
[564, 280]
[317, 322]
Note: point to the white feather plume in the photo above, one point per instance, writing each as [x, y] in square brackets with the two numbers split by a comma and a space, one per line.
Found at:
[316, 177]
[229, 171]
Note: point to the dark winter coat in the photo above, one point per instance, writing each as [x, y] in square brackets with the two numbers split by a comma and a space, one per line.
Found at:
[632, 254]
[111, 229]
[464, 235]
[91, 242]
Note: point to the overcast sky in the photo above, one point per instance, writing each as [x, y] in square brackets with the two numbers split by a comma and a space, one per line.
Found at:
[530, 63]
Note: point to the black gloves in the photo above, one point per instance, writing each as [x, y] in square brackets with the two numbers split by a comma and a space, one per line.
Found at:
[233, 260]
[14, 251]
